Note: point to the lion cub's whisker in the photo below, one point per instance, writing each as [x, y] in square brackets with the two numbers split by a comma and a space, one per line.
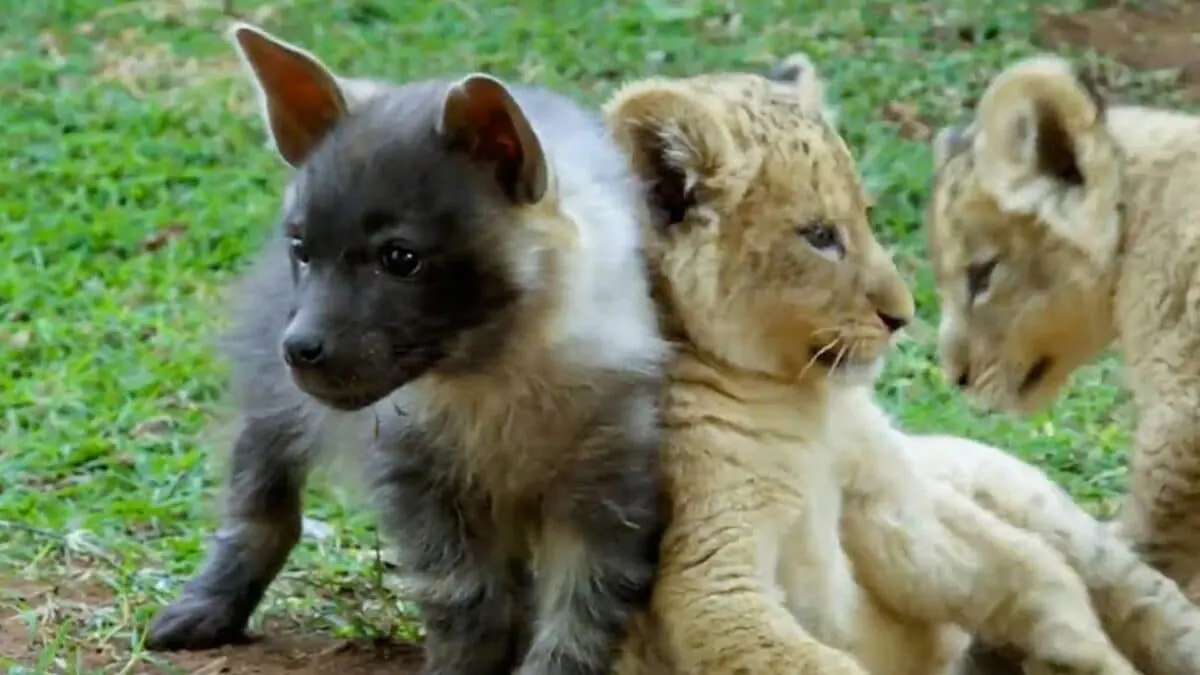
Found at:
[819, 353]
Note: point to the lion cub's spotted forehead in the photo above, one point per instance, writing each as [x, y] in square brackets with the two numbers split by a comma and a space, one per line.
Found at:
[805, 168]
[806, 165]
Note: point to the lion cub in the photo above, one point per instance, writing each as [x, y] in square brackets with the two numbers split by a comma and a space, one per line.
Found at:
[801, 539]
[1058, 226]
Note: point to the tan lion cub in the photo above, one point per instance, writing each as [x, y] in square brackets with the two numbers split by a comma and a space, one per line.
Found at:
[802, 540]
[1056, 227]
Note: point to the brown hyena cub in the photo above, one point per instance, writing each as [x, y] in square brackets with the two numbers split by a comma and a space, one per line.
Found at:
[457, 295]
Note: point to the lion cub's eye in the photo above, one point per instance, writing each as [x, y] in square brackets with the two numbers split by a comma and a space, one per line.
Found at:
[824, 238]
[979, 276]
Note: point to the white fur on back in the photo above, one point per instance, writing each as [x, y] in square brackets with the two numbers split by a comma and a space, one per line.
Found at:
[607, 316]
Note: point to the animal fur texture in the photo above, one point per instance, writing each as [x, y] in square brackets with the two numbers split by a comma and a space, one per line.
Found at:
[456, 300]
[1147, 615]
[1059, 226]
[804, 536]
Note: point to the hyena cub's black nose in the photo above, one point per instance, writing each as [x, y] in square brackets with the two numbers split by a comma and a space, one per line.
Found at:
[303, 351]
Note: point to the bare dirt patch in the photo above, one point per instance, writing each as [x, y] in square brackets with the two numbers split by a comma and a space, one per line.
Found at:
[1146, 35]
[275, 653]
[278, 654]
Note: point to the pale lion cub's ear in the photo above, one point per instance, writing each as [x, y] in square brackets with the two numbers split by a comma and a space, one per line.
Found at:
[300, 99]
[480, 117]
[1043, 149]
[673, 140]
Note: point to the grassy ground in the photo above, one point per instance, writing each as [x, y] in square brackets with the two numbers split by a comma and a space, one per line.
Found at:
[137, 182]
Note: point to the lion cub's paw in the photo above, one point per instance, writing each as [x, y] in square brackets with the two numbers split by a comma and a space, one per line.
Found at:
[834, 662]
[1114, 665]
[813, 657]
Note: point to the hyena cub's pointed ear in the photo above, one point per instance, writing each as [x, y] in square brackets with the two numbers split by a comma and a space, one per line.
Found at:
[1042, 148]
[673, 141]
[480, 117]
[300, 99]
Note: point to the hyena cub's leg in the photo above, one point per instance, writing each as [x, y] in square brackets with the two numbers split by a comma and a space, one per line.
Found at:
[597, 556]
[260, 526]
[470, 595]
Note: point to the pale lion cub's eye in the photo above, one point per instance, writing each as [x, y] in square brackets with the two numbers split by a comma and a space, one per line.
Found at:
[824, 238]
[979, 276]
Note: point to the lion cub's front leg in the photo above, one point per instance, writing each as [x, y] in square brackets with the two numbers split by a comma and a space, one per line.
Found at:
[713, 610]
[717, 619]
[933, 554]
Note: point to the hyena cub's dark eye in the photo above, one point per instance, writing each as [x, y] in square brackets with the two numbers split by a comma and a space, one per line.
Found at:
[399, 261]
[299, 251]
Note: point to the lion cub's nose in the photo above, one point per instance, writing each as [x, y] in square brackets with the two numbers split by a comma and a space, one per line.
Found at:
[964, 379]
[893, 323]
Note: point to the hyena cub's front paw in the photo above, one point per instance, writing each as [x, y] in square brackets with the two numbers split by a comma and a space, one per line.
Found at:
[197, 621]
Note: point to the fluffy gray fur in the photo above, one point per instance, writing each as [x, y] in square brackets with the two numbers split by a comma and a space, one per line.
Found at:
[472, 324]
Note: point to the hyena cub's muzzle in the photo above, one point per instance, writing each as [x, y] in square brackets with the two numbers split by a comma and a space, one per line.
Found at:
[342, 362]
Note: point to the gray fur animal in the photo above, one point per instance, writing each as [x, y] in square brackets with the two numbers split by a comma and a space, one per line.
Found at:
[458, 296]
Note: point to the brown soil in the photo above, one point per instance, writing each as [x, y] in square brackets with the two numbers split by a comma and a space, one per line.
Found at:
[277, 652]
[305, 656]
[1145, 35]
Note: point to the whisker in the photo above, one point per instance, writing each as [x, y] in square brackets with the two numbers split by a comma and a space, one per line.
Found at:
[816, 356]
[854, 347]
[838, 361]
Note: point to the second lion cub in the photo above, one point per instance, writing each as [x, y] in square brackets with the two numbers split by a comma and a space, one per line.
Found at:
[1060, 225]
[792, 547]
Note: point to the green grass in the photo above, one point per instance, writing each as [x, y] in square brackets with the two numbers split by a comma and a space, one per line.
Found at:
[137, 183]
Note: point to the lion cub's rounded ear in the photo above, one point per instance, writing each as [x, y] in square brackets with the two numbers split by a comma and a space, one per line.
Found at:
[798, 70]
[480, 116]
[1042, 148]
[948, 142]
[673, 140]
[299, 98]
